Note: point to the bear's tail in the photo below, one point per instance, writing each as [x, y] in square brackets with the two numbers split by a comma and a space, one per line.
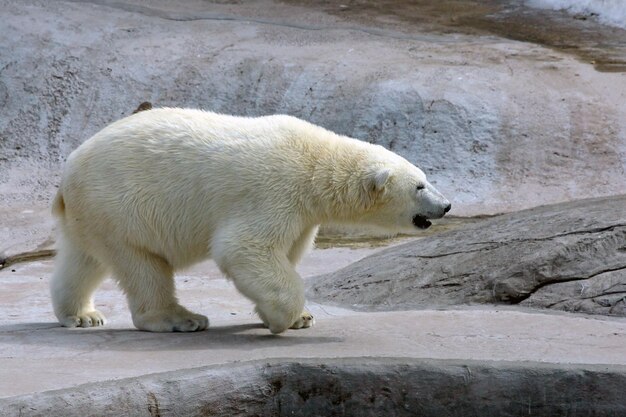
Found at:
[58, 205]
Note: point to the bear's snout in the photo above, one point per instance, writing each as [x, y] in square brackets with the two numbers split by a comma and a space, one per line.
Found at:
[433, 204]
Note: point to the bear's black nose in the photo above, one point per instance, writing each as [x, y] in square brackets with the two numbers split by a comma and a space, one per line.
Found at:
[447, 209]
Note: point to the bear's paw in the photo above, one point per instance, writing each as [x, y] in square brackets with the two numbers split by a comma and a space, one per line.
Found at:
[305, 321]
[177, 319]
[89, 319]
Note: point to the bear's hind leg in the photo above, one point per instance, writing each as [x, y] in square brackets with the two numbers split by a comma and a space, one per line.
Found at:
[148, 281]
[76, 277]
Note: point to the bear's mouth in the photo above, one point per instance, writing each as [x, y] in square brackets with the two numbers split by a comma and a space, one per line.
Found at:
[421, 222]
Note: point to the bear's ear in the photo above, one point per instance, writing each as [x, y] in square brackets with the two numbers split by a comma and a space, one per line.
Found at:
[376, 180]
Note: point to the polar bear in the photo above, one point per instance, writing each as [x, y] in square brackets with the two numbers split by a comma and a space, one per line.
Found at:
[165, 188]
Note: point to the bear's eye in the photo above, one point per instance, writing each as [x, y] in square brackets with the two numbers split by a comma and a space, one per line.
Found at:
[420, 187]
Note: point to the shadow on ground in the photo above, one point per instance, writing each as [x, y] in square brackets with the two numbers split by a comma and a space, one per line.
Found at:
[248, 336]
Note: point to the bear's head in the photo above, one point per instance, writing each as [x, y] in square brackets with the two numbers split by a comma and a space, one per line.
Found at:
[399, 198]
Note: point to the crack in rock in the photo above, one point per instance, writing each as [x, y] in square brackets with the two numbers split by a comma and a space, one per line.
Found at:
[506, 292]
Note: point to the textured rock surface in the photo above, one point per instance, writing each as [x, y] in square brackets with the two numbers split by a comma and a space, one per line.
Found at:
[351, 387]
[569, 256]
[498, 124]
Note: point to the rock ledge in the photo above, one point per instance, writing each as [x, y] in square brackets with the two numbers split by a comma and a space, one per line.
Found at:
[569, 256]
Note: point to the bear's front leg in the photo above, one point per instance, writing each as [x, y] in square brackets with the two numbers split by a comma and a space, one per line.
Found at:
[269, 279]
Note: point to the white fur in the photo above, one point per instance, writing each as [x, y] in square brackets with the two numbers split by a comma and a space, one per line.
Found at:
[164, 189]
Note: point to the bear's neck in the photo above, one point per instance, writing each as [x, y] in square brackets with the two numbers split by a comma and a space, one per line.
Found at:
[336, 181]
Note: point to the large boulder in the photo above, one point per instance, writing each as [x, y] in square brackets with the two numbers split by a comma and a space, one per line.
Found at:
[569, 256]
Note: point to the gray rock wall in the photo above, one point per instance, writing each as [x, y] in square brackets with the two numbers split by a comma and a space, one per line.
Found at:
[498, 125]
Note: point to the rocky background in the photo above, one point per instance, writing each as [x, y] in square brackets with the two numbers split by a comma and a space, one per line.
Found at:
[503, 106]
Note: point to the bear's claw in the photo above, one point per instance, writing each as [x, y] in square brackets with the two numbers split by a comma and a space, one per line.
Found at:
[305, 321]
[89, 319]
[192, 325]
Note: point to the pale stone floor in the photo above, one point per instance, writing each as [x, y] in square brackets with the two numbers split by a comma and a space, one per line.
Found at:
[37, 355]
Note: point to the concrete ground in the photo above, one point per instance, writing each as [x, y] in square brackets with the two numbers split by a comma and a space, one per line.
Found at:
[37, 355]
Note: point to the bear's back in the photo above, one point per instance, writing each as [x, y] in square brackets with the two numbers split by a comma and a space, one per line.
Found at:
[172, 176]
